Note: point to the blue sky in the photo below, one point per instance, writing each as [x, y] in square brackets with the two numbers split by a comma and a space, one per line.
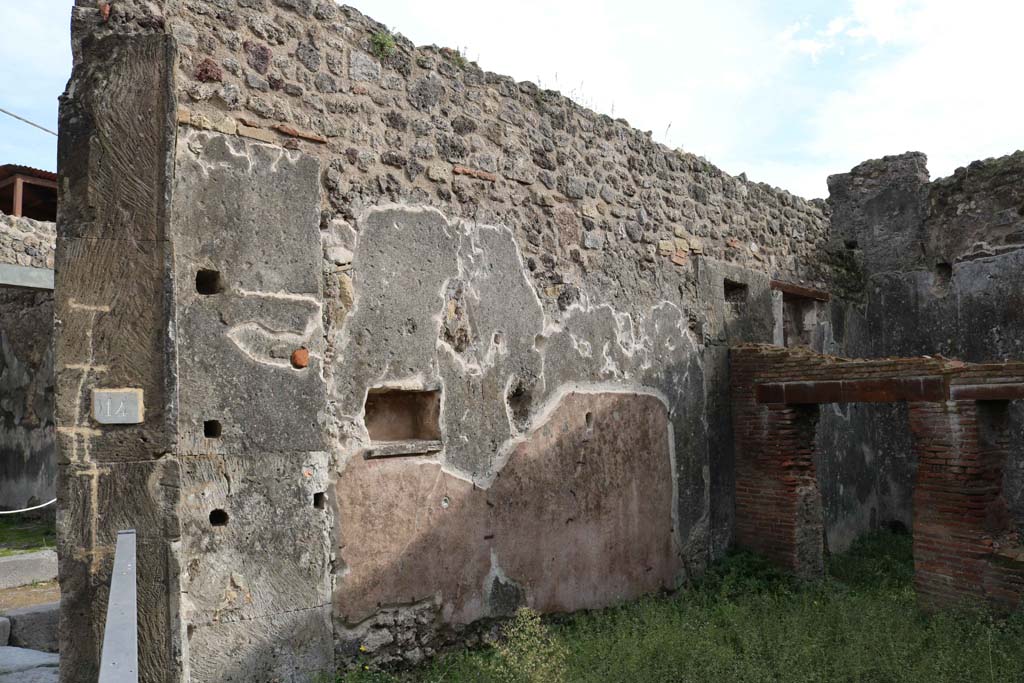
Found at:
[786, 91]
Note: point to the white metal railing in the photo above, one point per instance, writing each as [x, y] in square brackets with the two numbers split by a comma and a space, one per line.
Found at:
[119, 662]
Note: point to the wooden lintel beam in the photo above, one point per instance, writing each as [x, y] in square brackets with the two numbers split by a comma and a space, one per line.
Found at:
[41, 182]
[799, 290]
[987, 392]
[875, 390]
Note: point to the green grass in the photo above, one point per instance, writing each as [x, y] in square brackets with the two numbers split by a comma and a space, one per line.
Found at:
[747, 622]
[19, 535]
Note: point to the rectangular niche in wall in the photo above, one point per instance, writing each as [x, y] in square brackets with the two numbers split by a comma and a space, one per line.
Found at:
[735, 294]
[402, 422]
[799, 318]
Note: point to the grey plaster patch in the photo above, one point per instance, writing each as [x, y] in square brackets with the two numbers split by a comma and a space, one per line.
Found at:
[503, 595]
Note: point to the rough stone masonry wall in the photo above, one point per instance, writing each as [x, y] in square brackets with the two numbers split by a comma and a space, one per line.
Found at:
[27, 242]
[27, 461]
[931, 268]
[271, 227]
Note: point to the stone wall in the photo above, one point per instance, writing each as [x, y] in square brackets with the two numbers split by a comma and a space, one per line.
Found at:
[418, 344]
[931, 268]
[27, 460]
[27, 242]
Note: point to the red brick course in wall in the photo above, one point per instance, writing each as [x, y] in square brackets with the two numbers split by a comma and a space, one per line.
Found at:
[967, 550]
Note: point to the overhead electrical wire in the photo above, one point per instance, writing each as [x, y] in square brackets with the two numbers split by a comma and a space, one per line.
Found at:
[24, 120]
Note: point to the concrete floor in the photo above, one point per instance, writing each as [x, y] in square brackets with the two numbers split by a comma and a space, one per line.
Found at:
[18, 665]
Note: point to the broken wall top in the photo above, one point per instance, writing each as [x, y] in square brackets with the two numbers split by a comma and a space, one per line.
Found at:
[900, 220]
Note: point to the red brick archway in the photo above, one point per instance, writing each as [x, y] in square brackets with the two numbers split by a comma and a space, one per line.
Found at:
[966, 548]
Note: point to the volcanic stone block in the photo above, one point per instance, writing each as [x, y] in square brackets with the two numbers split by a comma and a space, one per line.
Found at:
[35, 627]
[248, 282]
[113, 334]
[116, 133]
[255, 534]
[97, 502]
[295, 646]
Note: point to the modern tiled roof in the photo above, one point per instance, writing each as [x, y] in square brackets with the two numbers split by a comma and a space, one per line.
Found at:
[8, 170]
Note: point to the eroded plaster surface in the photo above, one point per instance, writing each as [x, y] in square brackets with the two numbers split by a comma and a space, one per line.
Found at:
[579, 517]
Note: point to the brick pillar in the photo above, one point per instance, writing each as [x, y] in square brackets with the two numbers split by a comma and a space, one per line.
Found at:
[778, 502]
[964, 548]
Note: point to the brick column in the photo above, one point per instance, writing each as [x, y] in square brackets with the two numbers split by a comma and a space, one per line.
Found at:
[963, 541]
[778, 502]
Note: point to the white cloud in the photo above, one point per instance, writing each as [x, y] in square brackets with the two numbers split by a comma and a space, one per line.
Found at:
[792, 42]
[691, 68]
[950, 90]
[752, 87]
[884, 21]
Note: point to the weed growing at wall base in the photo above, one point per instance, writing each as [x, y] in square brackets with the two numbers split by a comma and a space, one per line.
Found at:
[746, 622]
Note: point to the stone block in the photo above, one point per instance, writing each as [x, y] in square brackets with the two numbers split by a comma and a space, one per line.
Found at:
[248, 294]
[122, 91]
[18, 660]
[363, 67]
[35, 627]
[257, 540]
[97, 502]
[27, 568]
[42, 674]
[114, 334]
[296, 645]
[593, 240]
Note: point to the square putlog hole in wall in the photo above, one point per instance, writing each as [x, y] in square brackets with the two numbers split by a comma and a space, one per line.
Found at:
[211, 429]
[402, 422]
[208, 282]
